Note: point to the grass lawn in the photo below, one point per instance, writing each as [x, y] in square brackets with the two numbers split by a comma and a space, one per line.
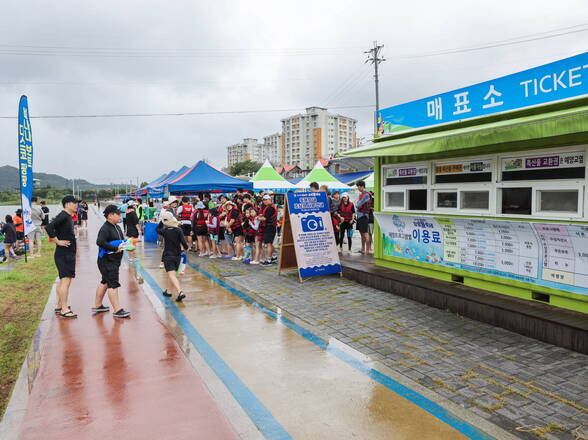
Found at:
[23, 294]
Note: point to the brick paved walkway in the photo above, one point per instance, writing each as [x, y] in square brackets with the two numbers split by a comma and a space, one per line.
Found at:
[510, 380]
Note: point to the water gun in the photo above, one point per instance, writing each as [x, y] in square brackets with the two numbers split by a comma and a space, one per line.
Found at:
[128, 245]
[182, 267]
[2, 237]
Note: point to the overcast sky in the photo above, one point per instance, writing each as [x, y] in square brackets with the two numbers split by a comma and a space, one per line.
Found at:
[121, 57]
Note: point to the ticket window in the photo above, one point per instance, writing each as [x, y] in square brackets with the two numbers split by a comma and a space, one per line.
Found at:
[517, 201]
[404, 187]
[565, 201]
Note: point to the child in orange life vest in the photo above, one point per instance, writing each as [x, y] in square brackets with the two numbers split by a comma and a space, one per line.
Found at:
[250, 226]
[213, 225]
[201, 230]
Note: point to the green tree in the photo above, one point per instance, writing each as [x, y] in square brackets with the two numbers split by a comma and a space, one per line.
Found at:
[245, 167]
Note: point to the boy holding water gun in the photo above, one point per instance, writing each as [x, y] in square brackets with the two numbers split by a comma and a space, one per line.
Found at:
[109, 262]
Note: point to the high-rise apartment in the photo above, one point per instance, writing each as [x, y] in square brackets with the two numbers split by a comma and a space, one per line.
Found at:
[314, 135]
[248, 149]
[270, 148]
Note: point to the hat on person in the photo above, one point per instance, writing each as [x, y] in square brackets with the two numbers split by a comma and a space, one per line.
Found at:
[228, 202]
[172, 199]
[199, 205]
[69, 199]
[111, 209]
[131, 203]
[344, 195]
[168, 219]
[267, 197]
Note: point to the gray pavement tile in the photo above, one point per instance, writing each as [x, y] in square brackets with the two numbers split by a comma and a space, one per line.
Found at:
[466, 361]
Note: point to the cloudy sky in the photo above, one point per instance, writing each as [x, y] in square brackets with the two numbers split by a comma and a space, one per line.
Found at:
[150, 57]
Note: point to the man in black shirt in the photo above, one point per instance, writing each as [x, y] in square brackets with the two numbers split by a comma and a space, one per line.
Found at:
[109, 264]
[61, 231]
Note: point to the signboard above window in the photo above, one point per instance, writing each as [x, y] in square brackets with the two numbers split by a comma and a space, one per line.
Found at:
[560, 80]
[543, 167]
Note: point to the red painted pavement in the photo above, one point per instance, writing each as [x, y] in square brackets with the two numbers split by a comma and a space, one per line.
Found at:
[106, 378]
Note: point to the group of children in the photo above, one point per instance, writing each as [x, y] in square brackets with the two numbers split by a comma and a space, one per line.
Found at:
[243, 229]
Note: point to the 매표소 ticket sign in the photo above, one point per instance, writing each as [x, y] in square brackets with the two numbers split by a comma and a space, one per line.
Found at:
[312, 234]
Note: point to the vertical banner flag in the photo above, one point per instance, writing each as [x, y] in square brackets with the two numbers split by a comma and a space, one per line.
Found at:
[313, 236]
[25, 162]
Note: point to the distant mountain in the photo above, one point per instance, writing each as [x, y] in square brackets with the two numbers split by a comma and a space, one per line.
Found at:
[9, 180]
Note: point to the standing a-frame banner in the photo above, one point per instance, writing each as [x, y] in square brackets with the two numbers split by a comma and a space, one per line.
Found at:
[25, 164]
[308, 240]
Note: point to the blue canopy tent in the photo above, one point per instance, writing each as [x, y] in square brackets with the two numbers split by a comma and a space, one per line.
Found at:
[159, 189]
[143, 191]
[205, 178]
[349, 178]
[151, 187]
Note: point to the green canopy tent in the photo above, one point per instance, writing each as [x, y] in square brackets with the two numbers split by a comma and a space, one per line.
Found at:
[322, 177]
[268, 179]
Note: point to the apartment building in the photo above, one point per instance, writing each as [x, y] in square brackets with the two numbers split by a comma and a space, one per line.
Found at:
[316, 134]
[248, 149]
[270, 148]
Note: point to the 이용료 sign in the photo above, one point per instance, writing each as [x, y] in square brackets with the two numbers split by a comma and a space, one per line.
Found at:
[312, 233]
[546, 254]
[551, 82]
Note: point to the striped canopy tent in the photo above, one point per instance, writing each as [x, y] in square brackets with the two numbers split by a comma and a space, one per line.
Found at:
[268, 179]
[322, 177]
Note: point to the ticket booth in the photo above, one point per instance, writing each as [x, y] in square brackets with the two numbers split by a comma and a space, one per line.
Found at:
[486, 185]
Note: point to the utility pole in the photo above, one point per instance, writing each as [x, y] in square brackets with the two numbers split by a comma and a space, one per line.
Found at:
[375, 59]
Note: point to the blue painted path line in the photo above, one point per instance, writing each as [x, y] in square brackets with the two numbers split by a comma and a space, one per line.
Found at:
[431, 407]
[255, 409]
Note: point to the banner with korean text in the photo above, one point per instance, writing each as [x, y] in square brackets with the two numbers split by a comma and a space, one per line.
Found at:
[560, 80]
[25, 163]
[547, 254]
[313, 235]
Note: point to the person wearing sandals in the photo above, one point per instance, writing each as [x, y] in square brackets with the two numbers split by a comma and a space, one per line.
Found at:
[174, 241]
[109, 264]
[61, 231]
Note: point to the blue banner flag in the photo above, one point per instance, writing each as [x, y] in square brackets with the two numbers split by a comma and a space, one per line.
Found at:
[25, 162]
[557, 81]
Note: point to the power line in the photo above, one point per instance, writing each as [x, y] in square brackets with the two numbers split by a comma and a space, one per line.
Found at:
[31, 50]
[142, 115]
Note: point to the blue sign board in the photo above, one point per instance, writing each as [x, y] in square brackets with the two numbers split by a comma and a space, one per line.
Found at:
[25, 162]
[563, 79]
[312, 232]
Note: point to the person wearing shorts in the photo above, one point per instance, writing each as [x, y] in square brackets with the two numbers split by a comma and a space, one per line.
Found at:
[174, 241]
[61, 231]
[109, 264]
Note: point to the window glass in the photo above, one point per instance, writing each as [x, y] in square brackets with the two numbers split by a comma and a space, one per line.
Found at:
[516, 201]
[475, 200]
[395, 200]
[447, 199]
[558, 201]
[417, 199]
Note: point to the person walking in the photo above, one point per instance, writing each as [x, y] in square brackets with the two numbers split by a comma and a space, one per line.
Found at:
[61, 231]
[35, 235]
[346, 216]
[9, 232]
[365, 208]
[174, 241]
[109, 263]
[269, 222]
[83, 214]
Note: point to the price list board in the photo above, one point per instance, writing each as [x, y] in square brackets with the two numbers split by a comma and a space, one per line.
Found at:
[548, 254]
